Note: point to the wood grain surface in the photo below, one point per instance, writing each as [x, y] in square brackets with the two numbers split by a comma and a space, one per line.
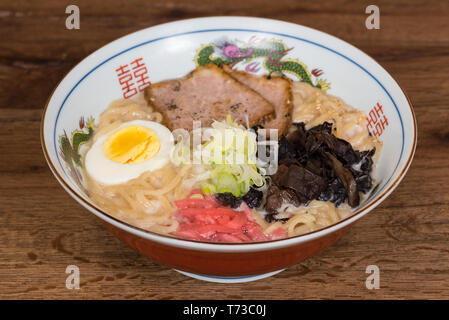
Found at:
[43, 230]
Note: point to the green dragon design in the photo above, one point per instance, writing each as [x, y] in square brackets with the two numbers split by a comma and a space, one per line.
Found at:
[70, 147]
[272, 52]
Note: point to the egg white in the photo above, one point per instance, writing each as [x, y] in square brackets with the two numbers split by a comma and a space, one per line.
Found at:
[109, 172]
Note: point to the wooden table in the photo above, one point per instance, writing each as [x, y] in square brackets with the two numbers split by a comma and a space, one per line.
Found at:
[43, 230]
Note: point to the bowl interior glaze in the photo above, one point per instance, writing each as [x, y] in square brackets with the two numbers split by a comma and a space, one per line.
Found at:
[171, 50]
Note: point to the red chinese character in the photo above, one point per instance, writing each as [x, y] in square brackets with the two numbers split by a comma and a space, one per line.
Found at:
[378, 109]
[372, 119]
[379, 130]
[140, 73]
[125, 78]
[384, 122]
[377, 121]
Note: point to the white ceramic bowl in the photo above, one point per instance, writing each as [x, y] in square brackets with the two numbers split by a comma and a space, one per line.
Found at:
[172, 50]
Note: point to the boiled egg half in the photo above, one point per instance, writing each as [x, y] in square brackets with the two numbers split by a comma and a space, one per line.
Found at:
[125, 153]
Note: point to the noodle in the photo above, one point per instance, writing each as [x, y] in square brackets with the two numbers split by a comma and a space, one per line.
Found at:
[170, 186]
[273, 227]
[140, 201]
[316, 215]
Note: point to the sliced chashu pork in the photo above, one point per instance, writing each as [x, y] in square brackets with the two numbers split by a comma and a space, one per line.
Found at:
[276, 90]
[206, 94]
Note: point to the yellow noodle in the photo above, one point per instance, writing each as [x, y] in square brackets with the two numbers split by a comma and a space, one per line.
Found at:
[303, 219]
[124, 110]
[156, 116]
[261, 221]
[300, 219]
[173, 183]
[273, 227]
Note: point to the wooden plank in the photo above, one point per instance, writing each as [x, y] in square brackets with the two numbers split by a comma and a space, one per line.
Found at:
[42, 230]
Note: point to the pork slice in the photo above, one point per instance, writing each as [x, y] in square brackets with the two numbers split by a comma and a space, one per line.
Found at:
[276, 90]
[207, 94]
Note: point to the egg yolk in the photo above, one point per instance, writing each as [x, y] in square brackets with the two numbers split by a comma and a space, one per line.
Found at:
[133, 144]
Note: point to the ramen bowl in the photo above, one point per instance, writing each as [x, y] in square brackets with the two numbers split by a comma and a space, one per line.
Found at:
[124, 67]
